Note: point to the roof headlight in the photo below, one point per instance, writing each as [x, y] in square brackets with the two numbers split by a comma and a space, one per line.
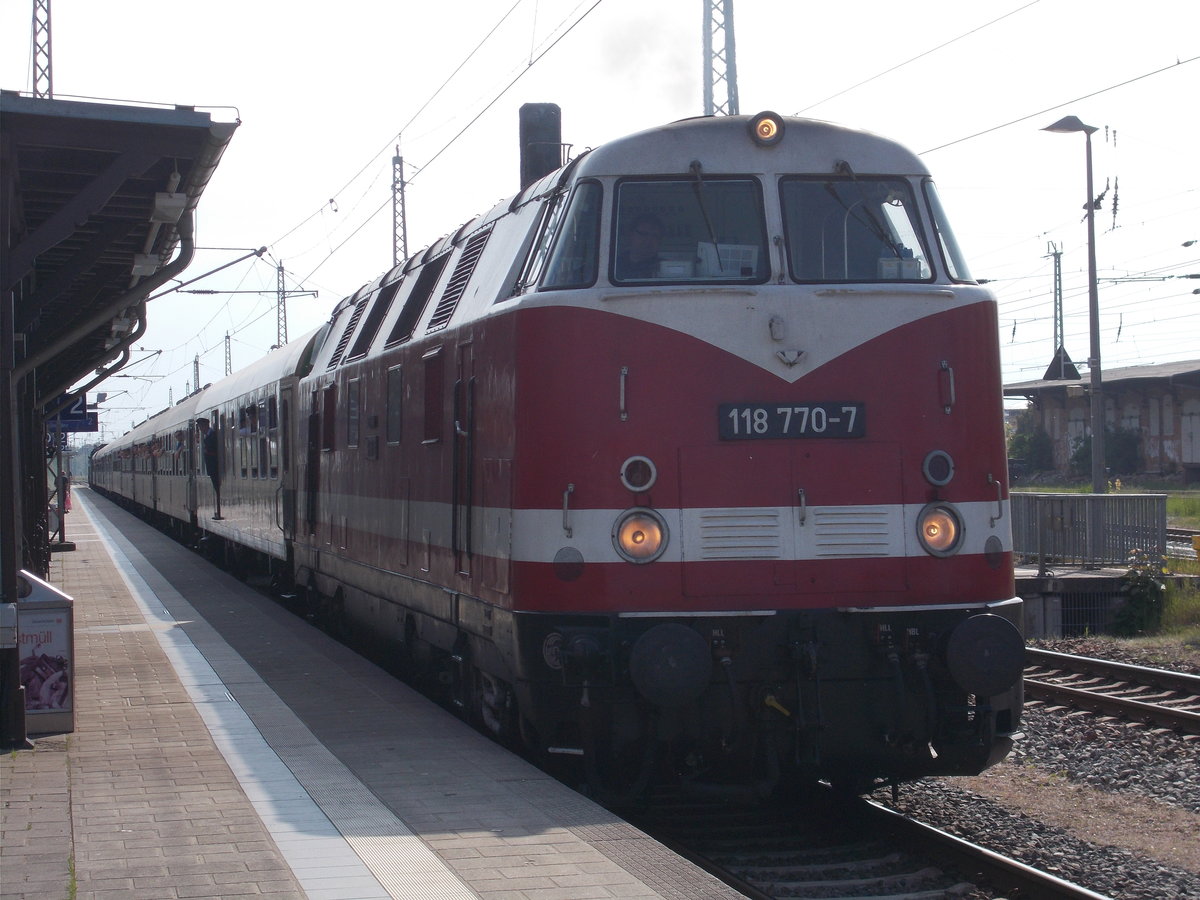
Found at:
[767, 129]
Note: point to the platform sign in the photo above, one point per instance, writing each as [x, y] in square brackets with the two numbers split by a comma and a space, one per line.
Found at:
[75, 416]
[75, 410]
[90, 423]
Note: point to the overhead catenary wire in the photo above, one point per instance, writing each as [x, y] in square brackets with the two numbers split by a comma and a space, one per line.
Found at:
[921, 55]
[396, 136]
[504, 90]
[1050, 109]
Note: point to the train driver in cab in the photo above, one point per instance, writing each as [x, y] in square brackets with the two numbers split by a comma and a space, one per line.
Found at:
[637, 257]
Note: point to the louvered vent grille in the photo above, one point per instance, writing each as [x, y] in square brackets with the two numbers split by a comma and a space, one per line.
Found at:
[349, 332]
[852, 532]
[457, 285]
[740, 534]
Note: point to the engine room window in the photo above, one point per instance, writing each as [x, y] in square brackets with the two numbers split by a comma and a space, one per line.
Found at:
[853, 228]
[395, 403]
[693, 229]
[353, 417]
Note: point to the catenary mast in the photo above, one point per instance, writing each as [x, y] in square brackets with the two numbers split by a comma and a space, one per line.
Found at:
[720, 59]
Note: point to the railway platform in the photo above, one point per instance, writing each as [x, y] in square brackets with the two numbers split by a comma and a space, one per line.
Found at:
[224, 748]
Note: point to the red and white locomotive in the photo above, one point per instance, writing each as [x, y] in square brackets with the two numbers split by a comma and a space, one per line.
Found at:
[687, 461]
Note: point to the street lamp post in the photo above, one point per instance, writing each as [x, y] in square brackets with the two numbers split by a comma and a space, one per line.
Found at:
[1070, 125]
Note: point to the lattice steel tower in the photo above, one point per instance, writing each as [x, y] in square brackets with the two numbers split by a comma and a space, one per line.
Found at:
[720, 59]
[43, 78]
[399, 225]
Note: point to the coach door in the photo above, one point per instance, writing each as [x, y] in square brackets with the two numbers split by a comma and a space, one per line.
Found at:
[193, 467]
[312, 467]
[287, 477]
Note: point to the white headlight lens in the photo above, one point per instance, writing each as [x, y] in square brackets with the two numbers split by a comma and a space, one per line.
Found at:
[940, 529]
[766, 129]
[640, 535]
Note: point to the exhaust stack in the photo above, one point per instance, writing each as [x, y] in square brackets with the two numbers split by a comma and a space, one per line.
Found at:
[541, 141]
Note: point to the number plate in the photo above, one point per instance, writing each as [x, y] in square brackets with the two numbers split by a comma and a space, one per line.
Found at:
[761, 421]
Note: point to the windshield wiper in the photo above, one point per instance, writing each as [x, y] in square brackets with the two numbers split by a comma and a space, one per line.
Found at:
[698, 187]
[873, 224]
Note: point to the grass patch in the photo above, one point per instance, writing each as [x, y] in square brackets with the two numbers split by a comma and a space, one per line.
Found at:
[1181, 610]
[1183, 510]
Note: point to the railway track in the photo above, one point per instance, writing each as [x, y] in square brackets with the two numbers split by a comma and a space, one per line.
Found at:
[837, 847]
[1153, 696]
[1180, 542]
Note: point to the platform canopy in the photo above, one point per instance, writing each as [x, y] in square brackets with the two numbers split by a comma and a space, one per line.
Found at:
[97, 213]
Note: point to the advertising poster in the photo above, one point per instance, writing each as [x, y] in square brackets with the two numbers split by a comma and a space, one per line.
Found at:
[45, 651]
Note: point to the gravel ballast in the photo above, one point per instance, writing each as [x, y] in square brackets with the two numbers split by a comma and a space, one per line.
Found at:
[1110, 805]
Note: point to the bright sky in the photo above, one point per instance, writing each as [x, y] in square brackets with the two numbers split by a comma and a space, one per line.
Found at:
[325, 92]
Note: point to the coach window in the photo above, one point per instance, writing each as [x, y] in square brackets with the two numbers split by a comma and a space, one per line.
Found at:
[853, 228]
[264, 444]
[395, 401]
[689, 230]
[273, 434]
[573, 260]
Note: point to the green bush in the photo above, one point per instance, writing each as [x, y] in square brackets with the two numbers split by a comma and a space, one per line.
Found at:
[1145, 595]
[1120, 453]
[1030, 444]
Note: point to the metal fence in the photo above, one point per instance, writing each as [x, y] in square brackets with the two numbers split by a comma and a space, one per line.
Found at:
[1091, 531]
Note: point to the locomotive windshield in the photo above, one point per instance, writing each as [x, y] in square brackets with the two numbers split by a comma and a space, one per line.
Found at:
[955, 263]
[707, 230]
[852, 229]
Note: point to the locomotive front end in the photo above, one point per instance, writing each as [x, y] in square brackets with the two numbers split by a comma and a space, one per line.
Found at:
[779, 548]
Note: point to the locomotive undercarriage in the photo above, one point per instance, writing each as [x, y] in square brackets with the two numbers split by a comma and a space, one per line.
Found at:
[761, 703]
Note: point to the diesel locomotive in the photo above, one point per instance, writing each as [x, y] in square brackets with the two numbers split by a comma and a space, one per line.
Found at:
[685, 464]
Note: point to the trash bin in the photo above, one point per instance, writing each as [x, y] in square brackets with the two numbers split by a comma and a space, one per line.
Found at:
[46, 641]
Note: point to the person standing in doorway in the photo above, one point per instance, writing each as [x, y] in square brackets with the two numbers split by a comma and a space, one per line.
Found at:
[210, 448]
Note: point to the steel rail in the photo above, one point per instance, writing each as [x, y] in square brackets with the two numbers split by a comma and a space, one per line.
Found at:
[1104, 698]
[998, 871]
[1088, 665]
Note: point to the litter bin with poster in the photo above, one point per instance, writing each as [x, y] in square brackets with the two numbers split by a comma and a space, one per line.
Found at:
[46, 642]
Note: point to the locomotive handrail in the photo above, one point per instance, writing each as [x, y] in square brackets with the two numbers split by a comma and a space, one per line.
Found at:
[949, 370]
[567, 508]
[992, 520]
